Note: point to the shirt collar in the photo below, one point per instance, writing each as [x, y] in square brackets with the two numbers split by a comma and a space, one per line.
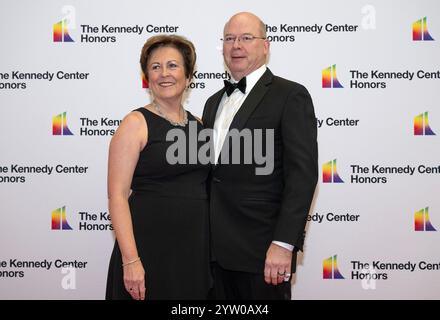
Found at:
[253, 77]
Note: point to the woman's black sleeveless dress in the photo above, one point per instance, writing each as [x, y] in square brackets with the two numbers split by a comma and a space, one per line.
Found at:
[169, 210]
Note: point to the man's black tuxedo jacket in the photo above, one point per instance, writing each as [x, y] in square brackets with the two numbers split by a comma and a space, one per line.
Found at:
[249, 211]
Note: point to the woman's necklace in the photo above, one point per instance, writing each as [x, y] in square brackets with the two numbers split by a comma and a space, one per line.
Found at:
[182, 123]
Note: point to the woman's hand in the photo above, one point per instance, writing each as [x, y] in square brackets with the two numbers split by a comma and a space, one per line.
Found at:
[134, 280]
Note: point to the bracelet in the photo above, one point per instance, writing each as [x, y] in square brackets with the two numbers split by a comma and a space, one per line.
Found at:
[130, 262]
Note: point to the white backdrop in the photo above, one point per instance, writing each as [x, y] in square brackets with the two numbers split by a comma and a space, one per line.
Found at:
[374, 38]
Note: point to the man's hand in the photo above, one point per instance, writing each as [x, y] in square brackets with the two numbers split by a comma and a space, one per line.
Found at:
[278, 265]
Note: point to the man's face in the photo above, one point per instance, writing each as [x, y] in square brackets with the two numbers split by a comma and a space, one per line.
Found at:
[244, 57]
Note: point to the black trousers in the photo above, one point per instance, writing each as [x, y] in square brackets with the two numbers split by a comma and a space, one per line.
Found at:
[238, 285]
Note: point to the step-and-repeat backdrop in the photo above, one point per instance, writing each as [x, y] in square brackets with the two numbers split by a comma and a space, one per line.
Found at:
[69, 72]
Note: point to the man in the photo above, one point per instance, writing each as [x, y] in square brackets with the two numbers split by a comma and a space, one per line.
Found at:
[258, 220]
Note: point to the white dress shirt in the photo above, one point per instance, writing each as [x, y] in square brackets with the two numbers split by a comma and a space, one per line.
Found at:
[226, 111]
[229, 106]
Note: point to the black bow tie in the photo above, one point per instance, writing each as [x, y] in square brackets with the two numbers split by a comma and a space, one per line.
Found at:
[230, 87]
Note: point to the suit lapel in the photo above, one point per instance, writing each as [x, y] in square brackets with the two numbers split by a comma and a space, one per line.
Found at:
[252, 101]
[213, 108]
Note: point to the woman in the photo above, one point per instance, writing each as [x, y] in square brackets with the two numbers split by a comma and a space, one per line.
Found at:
[161, 248]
